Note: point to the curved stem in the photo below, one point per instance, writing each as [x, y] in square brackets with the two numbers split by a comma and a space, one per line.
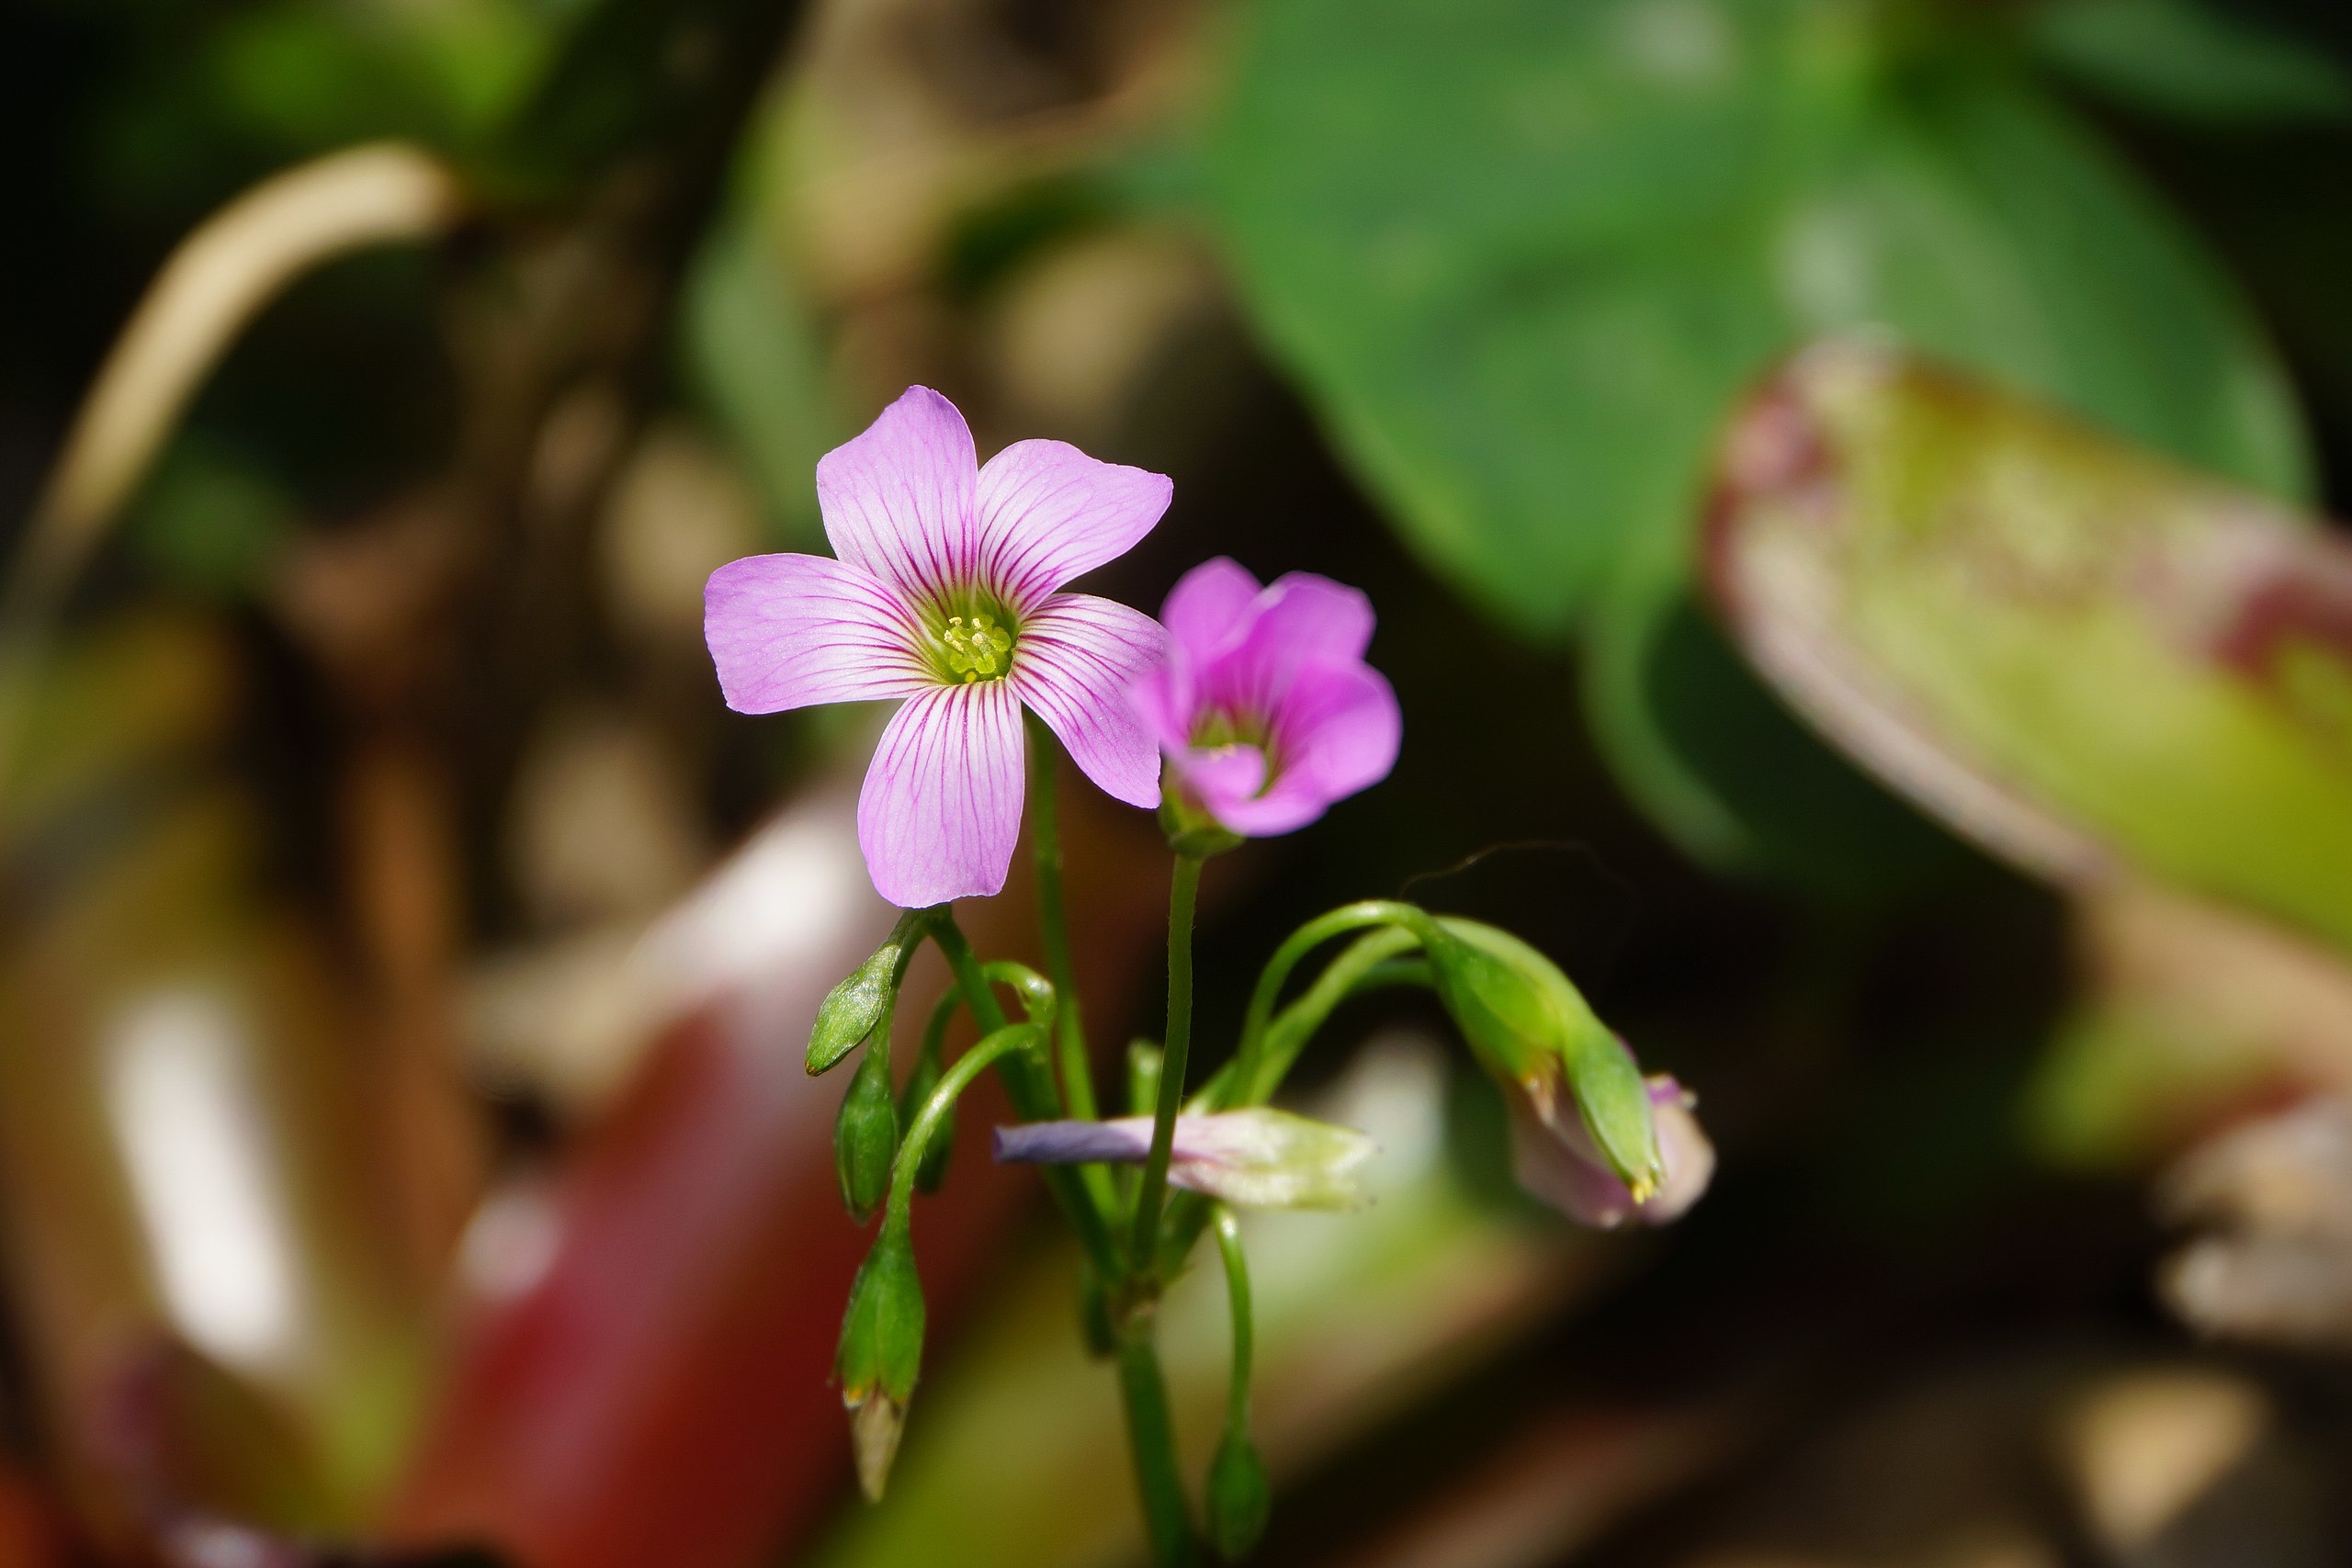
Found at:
[1280, 1043]
[1053, 922]
[935, 1110]
[1039, 999]
[1302, 941]
[1237, 1295]
[1182, 887]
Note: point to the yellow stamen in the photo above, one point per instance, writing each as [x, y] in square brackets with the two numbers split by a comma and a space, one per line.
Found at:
[977, 647]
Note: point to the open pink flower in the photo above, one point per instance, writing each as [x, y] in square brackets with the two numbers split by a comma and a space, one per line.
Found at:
[946, 592]
[1264, 704]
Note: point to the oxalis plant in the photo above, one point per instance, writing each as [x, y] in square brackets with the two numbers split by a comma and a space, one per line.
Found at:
[1244, 711]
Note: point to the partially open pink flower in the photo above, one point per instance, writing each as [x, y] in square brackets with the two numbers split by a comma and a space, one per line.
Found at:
[1264, 704]
[946, 592]
[1555, 1161]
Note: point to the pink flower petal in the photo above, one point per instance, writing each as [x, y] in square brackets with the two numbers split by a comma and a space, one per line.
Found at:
[1339, 728]
[1047, 512]
[1558, 1164]
[1163, 700]
[942, 803]
[1207, 605]
[1075, 658]
[1336, 731]
[1300, 619]
[788, 630]
[899, 499]
[1227, 780]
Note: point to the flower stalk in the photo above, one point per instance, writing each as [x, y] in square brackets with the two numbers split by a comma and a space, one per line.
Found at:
[1183, 887]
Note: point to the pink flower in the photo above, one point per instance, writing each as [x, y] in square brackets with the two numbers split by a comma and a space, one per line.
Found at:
[1264, 704]
[1555, 1161]
[946, 592]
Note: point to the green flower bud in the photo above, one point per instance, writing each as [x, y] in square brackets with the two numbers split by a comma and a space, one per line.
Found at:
[866, 1133]
[1239, 1497]
[1531, 1029]
[851, 1009]
[881, 1352]
[933, 1171]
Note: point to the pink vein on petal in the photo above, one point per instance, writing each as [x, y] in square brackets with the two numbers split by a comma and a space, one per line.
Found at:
[942, 803]
[1047, 512]
[786, 631]
[1078, 656]
[898, 500]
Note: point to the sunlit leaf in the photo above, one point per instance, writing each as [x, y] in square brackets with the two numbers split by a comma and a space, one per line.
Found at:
[1521, 256]
[2092, 662]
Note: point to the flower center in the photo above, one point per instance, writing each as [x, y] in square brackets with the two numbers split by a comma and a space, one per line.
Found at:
[976, 645]
[1217, 728]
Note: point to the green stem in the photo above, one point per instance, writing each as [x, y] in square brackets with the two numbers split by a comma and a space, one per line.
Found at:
[1237, 1295]
[1053, 925]
[1370, 962]
[1182, 887]
[941, 1105]
[1053, 920]
[1302, 941]
[1039, 1000]
[1029, 1083]
[1283, 1041]
[1151, 1437]
[968, 975]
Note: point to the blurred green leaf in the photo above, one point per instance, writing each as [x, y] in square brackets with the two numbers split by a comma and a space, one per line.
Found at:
[751, 351]
[210, 519]
[1721, 763]
[2092, 662]
[308, 76]
[1521, 256]
[2183, 58]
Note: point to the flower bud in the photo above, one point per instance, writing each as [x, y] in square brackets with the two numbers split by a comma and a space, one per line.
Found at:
[1256, 1158]
[1560, 1166]
[935, 1154]
[851, 1009]
[881, 1352]
[1239, 1497]
[1531, 1028]
[866, 1133]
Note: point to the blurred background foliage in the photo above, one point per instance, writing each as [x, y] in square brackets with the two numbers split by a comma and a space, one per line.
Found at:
[1935, 749]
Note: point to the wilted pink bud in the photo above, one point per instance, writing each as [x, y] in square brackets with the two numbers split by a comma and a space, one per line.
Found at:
[1556, 1162]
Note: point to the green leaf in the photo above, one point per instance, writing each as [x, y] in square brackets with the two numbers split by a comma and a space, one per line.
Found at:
[1522, 255]
[2185, 59]
[2096, 663]
[750, 348]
